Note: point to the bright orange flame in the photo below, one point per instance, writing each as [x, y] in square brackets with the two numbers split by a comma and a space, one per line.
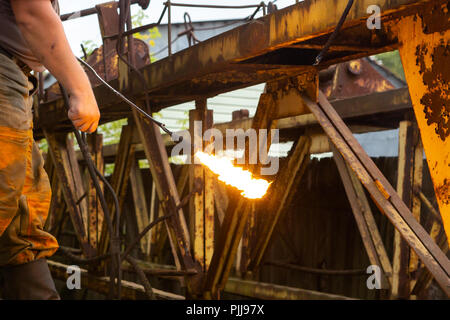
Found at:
[237, 177]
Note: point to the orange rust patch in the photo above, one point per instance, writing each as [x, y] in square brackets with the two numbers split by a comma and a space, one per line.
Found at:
[437, 78]
[443, 191]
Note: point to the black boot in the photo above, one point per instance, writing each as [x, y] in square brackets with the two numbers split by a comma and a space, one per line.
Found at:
[30, 281]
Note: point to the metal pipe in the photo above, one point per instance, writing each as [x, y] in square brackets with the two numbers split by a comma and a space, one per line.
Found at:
[85, 12]
[141, 28]
[428, 205]
[350, 272]
[210, 6]
[169, 28]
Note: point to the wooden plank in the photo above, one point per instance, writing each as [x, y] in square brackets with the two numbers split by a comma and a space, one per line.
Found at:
[425, 278]
[66, 166]
[154, 232]
[159, 236]
[277, 199]
[109, 22]
[361, 210]
[201, 181]
[119, 179]
[270, 291]
[437, 233]
[416, 202]
[168, 194]
[96, 214]
[221, 200]
[57, 204]
[401, 275]
[236, 215]
[372, 226]
[139, 199]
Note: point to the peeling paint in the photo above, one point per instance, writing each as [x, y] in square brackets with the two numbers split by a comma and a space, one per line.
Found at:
[436, 100]
[443, 191]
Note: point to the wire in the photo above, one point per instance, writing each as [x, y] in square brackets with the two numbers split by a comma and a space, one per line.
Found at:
[93, 172]
[335, 33]
[225, 25]
[175, 137]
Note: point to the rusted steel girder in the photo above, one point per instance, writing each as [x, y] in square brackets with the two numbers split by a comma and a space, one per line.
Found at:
[382, 192]
[425, 53]
[256, 52]
[201, 207]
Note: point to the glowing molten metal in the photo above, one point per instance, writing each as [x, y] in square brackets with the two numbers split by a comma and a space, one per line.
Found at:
[234, 176]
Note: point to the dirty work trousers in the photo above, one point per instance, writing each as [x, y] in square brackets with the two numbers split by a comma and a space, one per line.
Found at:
[24, 186]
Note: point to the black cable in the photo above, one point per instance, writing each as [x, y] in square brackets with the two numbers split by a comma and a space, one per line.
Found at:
[174, 136]
[335, 33]
[93, 172]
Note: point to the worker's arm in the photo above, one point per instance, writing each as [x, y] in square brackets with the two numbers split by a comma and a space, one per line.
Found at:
[44, 33]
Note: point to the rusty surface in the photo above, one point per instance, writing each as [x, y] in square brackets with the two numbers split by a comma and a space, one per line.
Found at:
[354, 78]
[425, 54]
[437, 99]
[374, 181]
[253, 53]
[142, 57]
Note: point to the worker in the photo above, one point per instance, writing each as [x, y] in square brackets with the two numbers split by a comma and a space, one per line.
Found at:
[31, 39]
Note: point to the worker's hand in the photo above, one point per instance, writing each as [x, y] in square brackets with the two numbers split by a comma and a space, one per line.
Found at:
[83, 111]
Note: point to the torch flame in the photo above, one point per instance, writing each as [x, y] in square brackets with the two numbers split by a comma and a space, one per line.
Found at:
[237, 177]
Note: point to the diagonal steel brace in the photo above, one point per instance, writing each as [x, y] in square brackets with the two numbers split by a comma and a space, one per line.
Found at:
[381, 191]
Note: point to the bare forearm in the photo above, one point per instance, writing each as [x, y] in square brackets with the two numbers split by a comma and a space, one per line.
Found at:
[44, 33]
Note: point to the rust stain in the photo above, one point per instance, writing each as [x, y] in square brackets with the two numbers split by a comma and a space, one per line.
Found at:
[435, 18]
[443, 191]
[436, 100]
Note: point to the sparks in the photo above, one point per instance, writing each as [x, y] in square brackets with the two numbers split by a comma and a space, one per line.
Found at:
[237, 177]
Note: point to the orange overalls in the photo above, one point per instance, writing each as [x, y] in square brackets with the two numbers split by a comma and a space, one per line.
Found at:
[24, 186]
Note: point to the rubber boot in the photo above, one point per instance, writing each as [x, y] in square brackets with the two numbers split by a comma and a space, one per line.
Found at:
[30, 281]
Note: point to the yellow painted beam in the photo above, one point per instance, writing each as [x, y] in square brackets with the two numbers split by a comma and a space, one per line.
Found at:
[424, 50]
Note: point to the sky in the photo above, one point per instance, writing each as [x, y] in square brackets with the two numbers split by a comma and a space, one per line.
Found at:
[86, 28]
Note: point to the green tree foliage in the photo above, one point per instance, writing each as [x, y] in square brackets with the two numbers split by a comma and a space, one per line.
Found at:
[149, 36]
[89, 46]
[391, 60]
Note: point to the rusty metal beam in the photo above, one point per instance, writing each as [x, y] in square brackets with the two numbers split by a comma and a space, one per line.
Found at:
[382, 192]
[424, 51]
[166, 189]
[409, 177]
[201, 183]
[254, 53]
[96, 214]
[364, 219]
[237, 214]
[250, 289]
